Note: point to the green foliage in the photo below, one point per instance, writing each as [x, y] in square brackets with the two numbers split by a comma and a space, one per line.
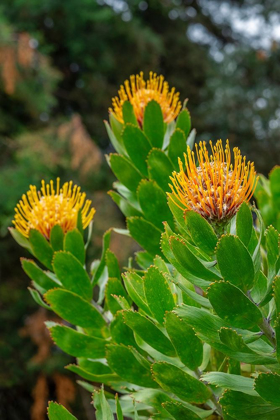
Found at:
[58, 412]
[174, 380]
[153, 124]
[268, 197]
[178, 334]
[71, 274]
[163, 346]
[184, 122]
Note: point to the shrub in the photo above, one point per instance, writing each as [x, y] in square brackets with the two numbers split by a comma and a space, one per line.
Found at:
[190, 329]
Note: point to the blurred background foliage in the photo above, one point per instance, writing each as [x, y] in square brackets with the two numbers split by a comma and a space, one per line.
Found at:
[60, 64]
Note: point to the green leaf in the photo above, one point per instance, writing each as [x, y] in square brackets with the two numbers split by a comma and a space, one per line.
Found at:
[274, 178]
[95, 368]
[124, 205]
[271, 240]
[134, 285]
[178, 214]
[20, 239]
[244, 407]
[74, 243]
[143, 259]
[202, 321]
[267, 386]
[265, 202]
[114, 287]
[125, 172]
[153, 125]
[117, 144]
[76, 310]
[41, 248]
[191, 138]
[184, 122]
[116, 128]
[112, 265]
[103, 410]
[122, 301]
[179, 412]
[102, 264]
[276, 293]
[146, 234]
[72, 274]
[233, 306]
[277, 332]
[174, 380]
[137, 146]
[153, 398]
[230, 381]
[161, 265]
[260, 288]
[201, 232]
[125, 362]
[238, 350]
[118, 408]
[190, 262]
[190, 295]
[56, 238]
[177, 147]
[121, 333]
[128, 113]
[38, 299]
[147, 330]
[106, 378]
[153, 202]
[167, 251]
[158, 294]
[244, 223]
[40, 277]
[156, 398]
[207, 327]
[235, 262]
[187, 345]
[160, 168]
[58, 412]
[75, 343]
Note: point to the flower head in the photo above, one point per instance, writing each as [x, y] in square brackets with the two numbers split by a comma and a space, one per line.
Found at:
[42, 210]
[217, 187]
[139, 92]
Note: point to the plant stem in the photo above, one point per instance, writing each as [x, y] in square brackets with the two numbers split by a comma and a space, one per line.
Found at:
[268, 331]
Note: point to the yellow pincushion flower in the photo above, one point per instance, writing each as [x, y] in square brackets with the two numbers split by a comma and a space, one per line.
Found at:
[139, 92]
[42, 210]
[216, 188]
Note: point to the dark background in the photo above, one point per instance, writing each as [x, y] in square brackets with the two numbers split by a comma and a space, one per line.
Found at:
[60, 64]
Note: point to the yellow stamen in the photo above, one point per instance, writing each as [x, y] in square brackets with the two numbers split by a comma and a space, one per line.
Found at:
[42, 210]
[139, 92]
[216, 188]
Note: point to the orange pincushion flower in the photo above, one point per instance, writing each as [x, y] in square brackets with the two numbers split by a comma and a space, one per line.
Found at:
[216, 188]
[139, 92]
[42, 210]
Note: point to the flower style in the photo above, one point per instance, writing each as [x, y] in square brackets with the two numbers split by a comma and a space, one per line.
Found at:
[216, 188]
[139, 92]
[42, 210]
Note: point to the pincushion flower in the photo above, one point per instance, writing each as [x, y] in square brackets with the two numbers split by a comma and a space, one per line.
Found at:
[42, 210]
[217, 187]
[139, 92]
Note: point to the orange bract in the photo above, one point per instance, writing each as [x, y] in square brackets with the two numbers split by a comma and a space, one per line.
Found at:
[42, 210]
[139, 92]
[216, 188]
